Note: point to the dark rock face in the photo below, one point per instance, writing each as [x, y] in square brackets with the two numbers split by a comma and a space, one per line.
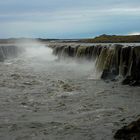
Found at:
[8, 52]
[111, 60]
[130, 132]
[132, 67]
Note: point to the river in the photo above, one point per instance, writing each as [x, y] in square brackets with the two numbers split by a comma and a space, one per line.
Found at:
[45, 99]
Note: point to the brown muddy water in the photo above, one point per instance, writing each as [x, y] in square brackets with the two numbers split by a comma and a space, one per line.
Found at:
[43, 99]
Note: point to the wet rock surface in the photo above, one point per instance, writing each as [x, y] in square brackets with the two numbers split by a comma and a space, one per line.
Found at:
[129, 132]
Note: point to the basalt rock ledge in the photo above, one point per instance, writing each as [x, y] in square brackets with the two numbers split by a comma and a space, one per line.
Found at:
[129, 132]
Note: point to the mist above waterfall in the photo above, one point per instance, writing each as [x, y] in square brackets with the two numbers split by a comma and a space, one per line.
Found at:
[36, 50]
[40, 57]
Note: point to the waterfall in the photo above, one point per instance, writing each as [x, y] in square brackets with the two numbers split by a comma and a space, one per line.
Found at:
[8, 51]
[110, 60]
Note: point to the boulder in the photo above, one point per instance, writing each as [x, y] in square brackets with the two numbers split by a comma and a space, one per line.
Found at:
[129, 132]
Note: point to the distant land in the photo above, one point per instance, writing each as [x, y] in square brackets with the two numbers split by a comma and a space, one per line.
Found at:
[114, 39]
[99, 39]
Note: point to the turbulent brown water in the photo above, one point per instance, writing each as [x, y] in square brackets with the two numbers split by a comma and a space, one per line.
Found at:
[43, 99]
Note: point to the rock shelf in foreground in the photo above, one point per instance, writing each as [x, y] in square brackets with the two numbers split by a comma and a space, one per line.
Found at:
[129, 132]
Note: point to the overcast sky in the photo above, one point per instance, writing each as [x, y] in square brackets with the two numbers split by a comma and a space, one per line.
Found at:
[68, 18]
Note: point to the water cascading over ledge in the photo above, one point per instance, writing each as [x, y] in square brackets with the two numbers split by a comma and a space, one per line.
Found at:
[111, 61]
[8, 51]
